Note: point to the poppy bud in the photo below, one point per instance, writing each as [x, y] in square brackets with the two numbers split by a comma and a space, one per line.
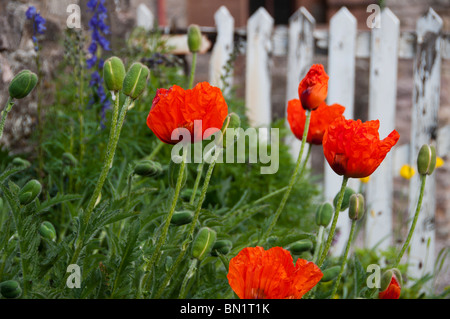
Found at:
[346, 200]
[301, 246]
[222, 247]
[426, 160]
[135, 80]
[330, 273]
[29, 192]
[391, 284]
[324, 214]
[20, 162]
[306, 255]
[356, 207]
[47, 230]
[147, 168]
[69, 159]
[174, 169]
[232, 121]
[194, 38]
[182, 217]
[22, 84]
[114, 74]
[10, 289]
[203, 243]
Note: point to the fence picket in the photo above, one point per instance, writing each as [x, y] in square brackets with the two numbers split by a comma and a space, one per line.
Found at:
[427, 76]
[222, 49]
[144, 17]
[382, 102]
[299, 60]
[258, 100]
[341, 88]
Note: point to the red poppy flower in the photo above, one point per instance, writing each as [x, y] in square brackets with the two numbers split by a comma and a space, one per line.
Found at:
[321, 118]
[177, 108]
[259, 274]
[313, 89]
[354, 149]
[392, 291]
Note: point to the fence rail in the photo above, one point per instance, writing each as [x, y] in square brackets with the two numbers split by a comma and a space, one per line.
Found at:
[343, 44]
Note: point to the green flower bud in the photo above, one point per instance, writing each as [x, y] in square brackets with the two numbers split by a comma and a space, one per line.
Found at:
[203, 243]
[22, 84]
[324, 214]
[387, 277]
[182, 217]
[232, 121]
[29, 192]
[306, 255]
[222, 247]
[174, 169]
[301, 246]
[147, 168]
[10, 289]
[194, 38]
[330, 273]
[69, 159]
[426, 160]
[21, 162]
[356, 207]
[346, 200]
[114, 74]
[47, 230]
[135, 80]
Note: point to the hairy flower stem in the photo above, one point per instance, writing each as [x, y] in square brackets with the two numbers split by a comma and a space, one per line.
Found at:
[194, 64]
[191, 272]
[4, 114]
[197, 182]
[190, 235]
[155, 151]
[162, 237]
[334, 222]
[291, 181]
[318, 244]
[413, 225]
[116, 127]
[344, 258]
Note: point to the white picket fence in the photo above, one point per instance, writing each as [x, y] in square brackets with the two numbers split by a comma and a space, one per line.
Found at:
[384, 46]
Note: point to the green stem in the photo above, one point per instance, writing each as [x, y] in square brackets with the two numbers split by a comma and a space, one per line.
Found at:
[191, 271]
[116, 127]
[162, 237]
[344, 258]
[318, 243]
[305, 162]
[333, 225]
[185, 245]
[4, 114]
[194, 64]
[155, 151]
[291, 181]
[413, 225]
[197, 182]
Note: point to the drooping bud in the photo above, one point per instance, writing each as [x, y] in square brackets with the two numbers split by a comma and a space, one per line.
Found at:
[203, 243]
[135, 80]
[174, 169]
[356, 207]
[301, 246]
[29, 192]
[232, 121]
[194, 38]
[21, 162]
[182, 217]
[69, 159]
[114, 74]
[330, 273]
[47, 230]
[10, 289]
[391, 284]
[324, 214]
[148, 168]
[426, 160]
[221, 247]
[22, 84]
[346, 200]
